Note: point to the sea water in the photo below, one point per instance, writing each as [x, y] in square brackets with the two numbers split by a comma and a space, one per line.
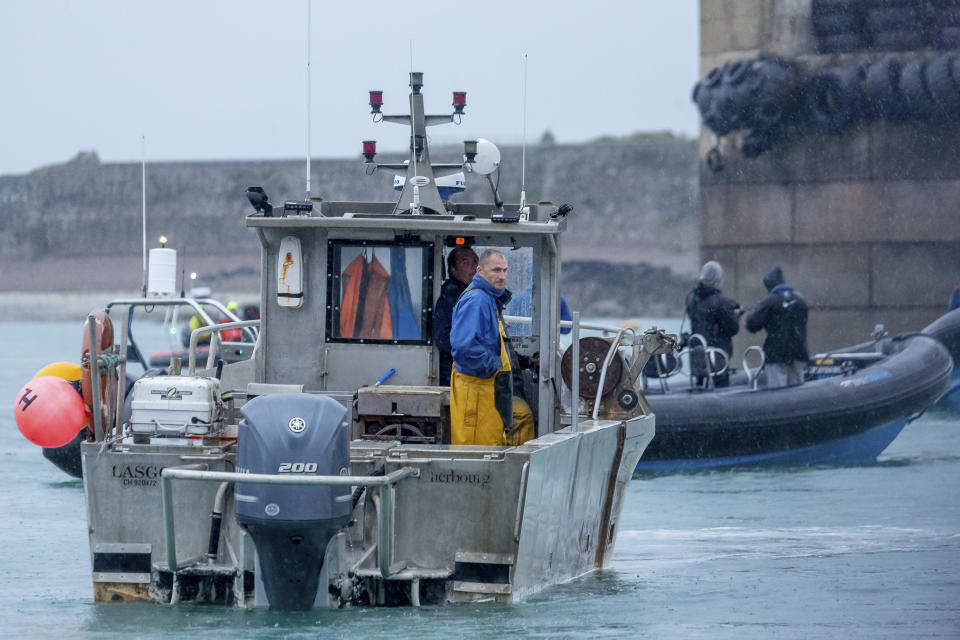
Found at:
[856, 552]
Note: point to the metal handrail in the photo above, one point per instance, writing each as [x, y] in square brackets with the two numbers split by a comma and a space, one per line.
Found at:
[565, 324]
[575, 374]
[753, 375]
[385, 484]
[215, 341]
[94, 356]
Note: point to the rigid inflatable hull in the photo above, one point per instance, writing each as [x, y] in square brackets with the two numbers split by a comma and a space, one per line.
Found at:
[946, 329]
[838, 420]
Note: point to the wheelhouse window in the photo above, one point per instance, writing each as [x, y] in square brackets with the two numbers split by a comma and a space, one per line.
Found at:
[379, 291]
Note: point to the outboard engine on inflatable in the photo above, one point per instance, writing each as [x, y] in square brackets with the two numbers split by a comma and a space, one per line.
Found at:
[292, 433]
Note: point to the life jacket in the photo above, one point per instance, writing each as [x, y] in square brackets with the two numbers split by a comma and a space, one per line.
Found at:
[365, 307]
[230, 335]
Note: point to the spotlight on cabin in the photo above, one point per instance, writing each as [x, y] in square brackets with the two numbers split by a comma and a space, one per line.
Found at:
[470, 150]
[163, 241]
[259, 200]
[459, 101]
[416, 81]
[369, 150]
[376, 101]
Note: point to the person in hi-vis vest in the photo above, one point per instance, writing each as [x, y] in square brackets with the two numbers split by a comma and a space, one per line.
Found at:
[483, 409]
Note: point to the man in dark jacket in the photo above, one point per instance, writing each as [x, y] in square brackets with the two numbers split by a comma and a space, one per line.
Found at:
[461, 267]
[713, 316]
[783, 313]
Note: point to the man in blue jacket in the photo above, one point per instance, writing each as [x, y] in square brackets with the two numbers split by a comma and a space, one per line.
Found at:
[483, 409]
[783, 313]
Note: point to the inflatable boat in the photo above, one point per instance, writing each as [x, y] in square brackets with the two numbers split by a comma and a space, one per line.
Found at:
[946, 329]
[853, 404]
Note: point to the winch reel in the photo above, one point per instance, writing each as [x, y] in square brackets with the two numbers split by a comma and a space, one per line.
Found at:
[620, 397]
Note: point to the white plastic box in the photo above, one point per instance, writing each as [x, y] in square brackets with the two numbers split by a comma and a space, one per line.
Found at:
[176, 405]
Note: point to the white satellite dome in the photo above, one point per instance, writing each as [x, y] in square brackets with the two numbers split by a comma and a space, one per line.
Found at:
[487, 159]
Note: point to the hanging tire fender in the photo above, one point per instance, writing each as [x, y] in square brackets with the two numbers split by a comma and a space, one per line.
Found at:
[943, 88]
[913, 86]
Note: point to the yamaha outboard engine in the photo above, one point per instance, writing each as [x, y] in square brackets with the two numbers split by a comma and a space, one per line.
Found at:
[292, 433]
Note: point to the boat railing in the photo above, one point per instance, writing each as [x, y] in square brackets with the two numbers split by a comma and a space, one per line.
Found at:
[709, 359]
[385, 484]
[753, 375]
[606, 330]
[664, 371]
[216, 343]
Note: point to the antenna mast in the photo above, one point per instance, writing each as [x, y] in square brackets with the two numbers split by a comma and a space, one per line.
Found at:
[523, 155]
[143, 199]
[308, 98]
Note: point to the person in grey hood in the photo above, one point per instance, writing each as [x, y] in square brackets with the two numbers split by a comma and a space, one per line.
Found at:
[783, 313]
[713, 316]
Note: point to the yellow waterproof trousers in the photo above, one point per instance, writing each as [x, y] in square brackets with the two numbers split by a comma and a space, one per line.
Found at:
[485, 411]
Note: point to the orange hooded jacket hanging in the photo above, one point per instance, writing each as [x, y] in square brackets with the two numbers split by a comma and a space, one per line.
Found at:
[365, 308]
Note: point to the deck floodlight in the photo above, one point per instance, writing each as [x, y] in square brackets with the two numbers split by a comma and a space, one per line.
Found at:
[416, 81]
[163, 241]
[470, 150]
[369, 149]
[459, 101]
[376, 101]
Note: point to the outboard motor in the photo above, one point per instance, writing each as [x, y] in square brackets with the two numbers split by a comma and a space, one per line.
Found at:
[292, 433]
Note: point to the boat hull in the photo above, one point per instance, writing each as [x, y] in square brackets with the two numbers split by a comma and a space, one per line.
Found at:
[946, 329]
[861, 448]
[837, 420]
[470, 523]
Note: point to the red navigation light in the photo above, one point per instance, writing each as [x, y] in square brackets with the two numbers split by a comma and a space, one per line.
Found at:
[459, 101]
[369, 149]
[376, 101]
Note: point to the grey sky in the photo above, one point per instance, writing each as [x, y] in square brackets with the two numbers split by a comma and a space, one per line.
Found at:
[227, 79]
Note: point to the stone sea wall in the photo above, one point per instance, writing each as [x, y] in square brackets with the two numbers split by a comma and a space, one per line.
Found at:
[76, 227]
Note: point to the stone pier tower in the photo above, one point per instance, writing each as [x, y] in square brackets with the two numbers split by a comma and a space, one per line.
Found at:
[865, 223]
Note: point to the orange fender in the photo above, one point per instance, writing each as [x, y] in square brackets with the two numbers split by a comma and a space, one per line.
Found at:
[104, 338]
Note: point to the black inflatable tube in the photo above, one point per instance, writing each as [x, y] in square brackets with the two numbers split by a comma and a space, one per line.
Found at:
[946, 329]
[740, 422]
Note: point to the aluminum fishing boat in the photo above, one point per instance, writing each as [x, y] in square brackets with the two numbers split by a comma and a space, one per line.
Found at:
[318, 473]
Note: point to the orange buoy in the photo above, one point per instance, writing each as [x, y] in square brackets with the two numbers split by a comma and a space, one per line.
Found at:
[49, 411]
[66, 370]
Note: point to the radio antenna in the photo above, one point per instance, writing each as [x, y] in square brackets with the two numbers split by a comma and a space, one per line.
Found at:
[143, 200]
[309, 92]
[523, 153]
[412, 129]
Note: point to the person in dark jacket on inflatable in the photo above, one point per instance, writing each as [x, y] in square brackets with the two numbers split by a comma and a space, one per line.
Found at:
[461, 267]
[483, 409]
[783, 313]
[713, 316]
